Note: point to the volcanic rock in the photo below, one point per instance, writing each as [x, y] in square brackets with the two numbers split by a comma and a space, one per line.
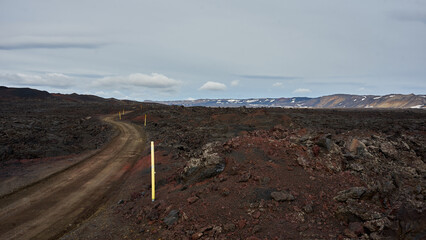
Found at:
[302, 161]
[217, 229]
[349, 233]
[308, 208]
[242, 223]
[229, 227]
[256, 229]
[256, 215]
[354, 193]
[282, 196]
[244, 177]
[196, 236]
[192, 200]
[225, 192]
[171, 218]
[358, 148]
[207, 165]
[325, 142]
[388, 149]
[377, 224]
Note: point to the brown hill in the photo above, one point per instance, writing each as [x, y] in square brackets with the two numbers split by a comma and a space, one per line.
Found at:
[7, 94]
[22, 93]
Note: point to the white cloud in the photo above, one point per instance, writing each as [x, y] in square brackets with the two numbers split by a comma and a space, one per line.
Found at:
[117, 93]
[155, 80]
[56, 80]
[235, 83]
[100, 93]
[278, 84]
[302, 90]
[213, 86]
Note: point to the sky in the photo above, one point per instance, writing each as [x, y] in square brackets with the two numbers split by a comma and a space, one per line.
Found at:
[194, 49]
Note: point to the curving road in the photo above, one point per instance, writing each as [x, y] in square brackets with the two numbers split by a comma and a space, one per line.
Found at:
[53, 206]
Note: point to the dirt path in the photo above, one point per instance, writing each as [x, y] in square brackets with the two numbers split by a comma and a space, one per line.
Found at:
[56, 205]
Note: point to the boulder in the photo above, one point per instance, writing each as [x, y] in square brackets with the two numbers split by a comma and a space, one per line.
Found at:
[325, 142]
[357, 148]
[206, 165]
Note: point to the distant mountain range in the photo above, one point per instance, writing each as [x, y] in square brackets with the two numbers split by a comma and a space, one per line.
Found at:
[332, 101]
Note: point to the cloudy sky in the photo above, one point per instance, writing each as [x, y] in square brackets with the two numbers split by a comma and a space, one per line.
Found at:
[168, 49]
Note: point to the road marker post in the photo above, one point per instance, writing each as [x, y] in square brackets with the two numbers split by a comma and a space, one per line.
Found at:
[152, 172]
[123, 111]
[145, 121]
[119, 115]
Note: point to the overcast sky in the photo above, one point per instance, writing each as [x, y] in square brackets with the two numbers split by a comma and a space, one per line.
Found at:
[164, 50]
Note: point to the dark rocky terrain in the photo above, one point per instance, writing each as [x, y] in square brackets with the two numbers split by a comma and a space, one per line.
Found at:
[46, 129]
[332, 101]
[273, 173]
[37, 124]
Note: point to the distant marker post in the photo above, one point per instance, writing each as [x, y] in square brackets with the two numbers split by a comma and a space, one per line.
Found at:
[145, 121]
[152, 172]
[119, 115]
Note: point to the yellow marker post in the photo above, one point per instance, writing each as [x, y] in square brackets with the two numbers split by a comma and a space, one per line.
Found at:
[152, 172]
[123, 111]
[119, 115]
[145, 121]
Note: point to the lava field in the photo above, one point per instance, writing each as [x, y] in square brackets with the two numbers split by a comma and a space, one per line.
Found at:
[271, 173]
[240, 173]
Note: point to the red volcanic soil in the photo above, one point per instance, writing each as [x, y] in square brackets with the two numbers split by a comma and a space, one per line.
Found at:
[273, 174]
